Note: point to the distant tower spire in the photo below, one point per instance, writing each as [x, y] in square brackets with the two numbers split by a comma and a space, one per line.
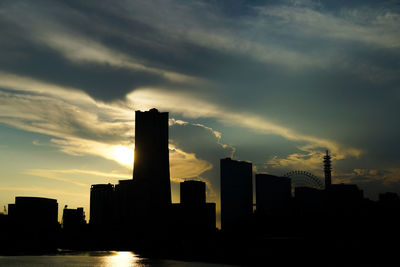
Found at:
[327, 170]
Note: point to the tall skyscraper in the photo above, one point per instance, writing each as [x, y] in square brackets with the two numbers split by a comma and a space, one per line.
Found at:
[142, 202]
[236, 193]
[327, 170]
[151, 166]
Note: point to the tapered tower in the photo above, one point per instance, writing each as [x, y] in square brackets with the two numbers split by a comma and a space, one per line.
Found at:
[327, 170]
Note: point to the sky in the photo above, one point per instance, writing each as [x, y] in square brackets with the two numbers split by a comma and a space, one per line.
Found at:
[275, 83]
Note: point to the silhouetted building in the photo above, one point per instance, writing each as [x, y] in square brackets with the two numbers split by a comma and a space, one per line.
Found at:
[273, 194]
[193, 216]
[34, 212]
[389, 197]
[125, 202]
[236, 193]
[73, 219]
[308, 200]
[3, 221]
[151, 166]
[193, 192]
[389, 204]
[344, 199]
[102, 205]
[32, 225]
[11, 210]
[327, 170]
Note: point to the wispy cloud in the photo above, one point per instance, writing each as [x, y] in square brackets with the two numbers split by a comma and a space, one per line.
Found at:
[53, 175]
[82, 50]
[365, 25]
[385, 176]
[80, 125]
[89, 127]
[67, 175]
[196, 108]
[41, 190]
[274, 33]
[48, 30]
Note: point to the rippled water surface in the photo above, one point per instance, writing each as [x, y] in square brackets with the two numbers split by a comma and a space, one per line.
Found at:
[89, 259]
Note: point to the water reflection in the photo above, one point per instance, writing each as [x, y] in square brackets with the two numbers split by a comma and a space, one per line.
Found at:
[122, 259]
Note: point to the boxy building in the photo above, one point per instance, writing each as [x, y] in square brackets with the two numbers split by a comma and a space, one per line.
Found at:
[273, 194]
[236, 193]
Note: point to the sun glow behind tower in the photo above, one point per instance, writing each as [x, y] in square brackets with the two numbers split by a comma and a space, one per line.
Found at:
[123, 155]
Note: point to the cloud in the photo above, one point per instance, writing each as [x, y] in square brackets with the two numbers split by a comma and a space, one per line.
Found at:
[186, 165]
[206, 143]
[81, 50]
[41, 190]
[372, 181]
[278, 34]
[386, 176]
[365, 25]
[310, 161]
[67, 175]
[74, 44]
[81, 125]
[214, 31]
[194, 107]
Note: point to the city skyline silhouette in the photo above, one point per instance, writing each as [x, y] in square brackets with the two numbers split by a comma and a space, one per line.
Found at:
[296, 94]
[137, 214]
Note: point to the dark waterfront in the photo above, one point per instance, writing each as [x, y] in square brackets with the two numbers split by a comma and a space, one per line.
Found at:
[93, 258]
[129, 259]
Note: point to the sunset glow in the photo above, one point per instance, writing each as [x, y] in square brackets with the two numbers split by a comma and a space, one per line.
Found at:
[123, 155]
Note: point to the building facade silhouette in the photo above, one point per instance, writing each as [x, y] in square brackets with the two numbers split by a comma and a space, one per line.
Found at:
[73, 219]
[151, 164]
[141, 203]
[236, 193]
[34, 212]
[102, 205]
[273, 194]
[193, 216]
[193, 192]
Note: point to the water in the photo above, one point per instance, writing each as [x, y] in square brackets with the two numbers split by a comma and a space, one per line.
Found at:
[93, 259]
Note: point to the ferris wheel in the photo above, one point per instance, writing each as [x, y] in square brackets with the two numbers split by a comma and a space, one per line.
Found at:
[303, 178]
